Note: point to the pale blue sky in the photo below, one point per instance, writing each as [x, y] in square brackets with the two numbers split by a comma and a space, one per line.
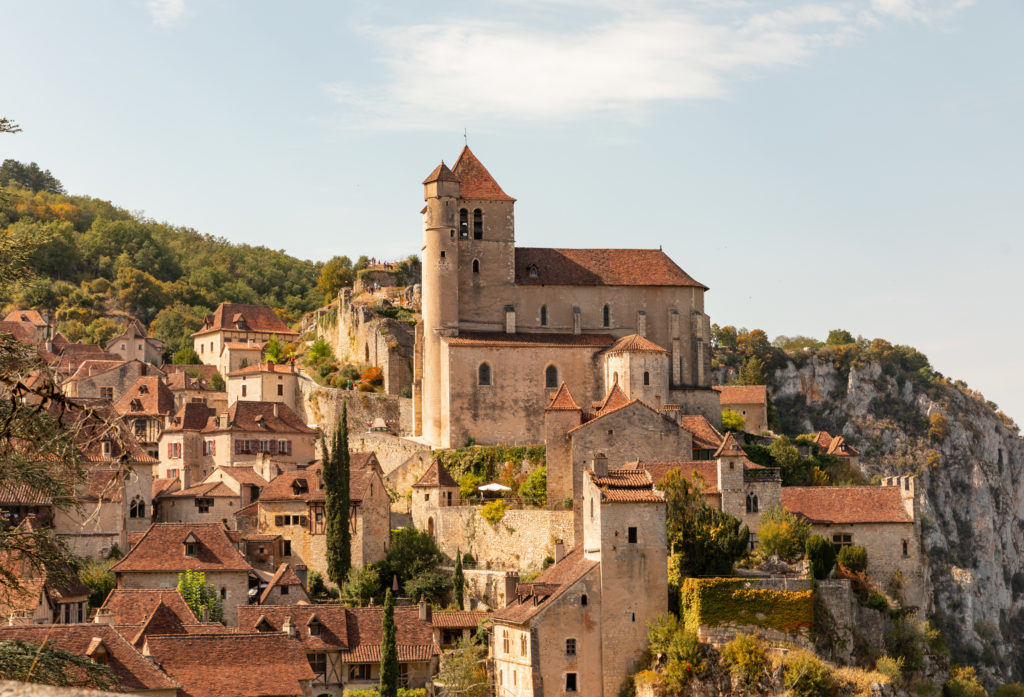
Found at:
[839, 163]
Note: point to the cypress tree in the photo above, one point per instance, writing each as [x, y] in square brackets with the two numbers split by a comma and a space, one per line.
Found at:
[336, 492]
[458, 580]
[388, 650]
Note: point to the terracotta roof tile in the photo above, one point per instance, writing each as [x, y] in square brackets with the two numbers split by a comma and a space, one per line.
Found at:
[22, 495]
[131, 606]
[615, 399]
[730, 447]
[414, 639]
[333, 621]
[840, 448]
[162, 548]
[22, 332]
[599, 267]
[252, 416]
[232, 665]
[205, 371]
[634, 343]
[525, 339]
[435, 476]
[833, 505]
[707, 469]
[147, 396]
[205, 489]
[822, 439]
[244, 475]
[441, 173]
[705, 435]
[742, 394]
[26, 317]
[555, 580]
[475, 182]
[160, 485]
[626, 486]
[239, 317]
[193, 416]
[284, 576]
[90, 367]
[458, 619]
[261, 367]
[562, 401]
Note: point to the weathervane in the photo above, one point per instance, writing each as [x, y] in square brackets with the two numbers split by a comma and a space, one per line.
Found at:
[465, 137]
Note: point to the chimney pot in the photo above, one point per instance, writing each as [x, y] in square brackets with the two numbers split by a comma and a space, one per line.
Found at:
[276, 409]
[288, 627]
[104, 616]
[559, 550]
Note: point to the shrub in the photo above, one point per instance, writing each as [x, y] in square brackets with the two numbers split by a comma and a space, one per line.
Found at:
[679, 648]
[433, 585]
[548, 561]
[732, 421]
[937, 428]
[906, 640]
[318, 590]
[783, 533]
[891, 668]
[186, 356]
[1012, 689]
[806, 676]
[822, 556]
[373, 376]
[853, 558]
[746, 660]
[534, 490]
[217, 382]
[96, 574]
[494, 511]
[963, 683]
[877, 601]
[366, 387]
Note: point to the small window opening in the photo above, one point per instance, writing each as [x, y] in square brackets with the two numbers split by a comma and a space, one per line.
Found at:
[583, 600]
[463, 222]
[632, 535]
[570, 647]
[647, 378]
[543, 315]
[478, 224]
[606, 317]
[906, 548]
[551, 376]
[442, 254]
[476, 266]
[570, 682]
[484, 374]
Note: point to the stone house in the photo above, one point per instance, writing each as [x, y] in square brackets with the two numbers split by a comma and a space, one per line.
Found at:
[284, 588]
[128, 609]
[44, 596]
[706, 438]
[240, 325]
[102, 643]
[581, 626]
[244, 481]
[264, 382]
[503, 326]
[145, 406]
[435, 489]
[238, 664]
[838, 447]
[167, 549]
[34, 325]
[292, 506]
[107, 379]
[453, 626]
[64, 357]
[750, 402]
[235, 355]
[343, 644]
[135, 344]
[206, 502]
[191, 383]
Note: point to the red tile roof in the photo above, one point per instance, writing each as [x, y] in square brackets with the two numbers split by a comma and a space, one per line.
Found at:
[626, 486]
[26, 317]
[133, 671]
[251, 416]
[634, 343]
[102, 486]
[22, 332]
[205, 371]
[562, 401]
[705, 435]
[441, 173]
[822, 439]
[836, 505]
[435, 476]
[307, 484]
[475, 182]
[244, 475]
[132, 606]
[161, 485]
[554, 581]
[615, 399]
[840, 448]
[162, 548]
[284, 576]
[729, 447]
[92, 367]
[414, 639]
[742, 394]
[232, 665]
[239, 317]
[707, 469]
[458, 619]
[527, 340]
[147, 396]
[333, 621]
[22, 495]
[205, 489]
[599, 267]
[261, 367]
[193, 416]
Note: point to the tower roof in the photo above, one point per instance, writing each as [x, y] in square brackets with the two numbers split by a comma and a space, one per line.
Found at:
[634, 343]
[615, 398]
[436, 475]
[476, 181]
[729, 447]
[563, 401]
[441, 173]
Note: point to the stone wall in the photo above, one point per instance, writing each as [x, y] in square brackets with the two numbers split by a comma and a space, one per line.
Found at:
[488, 589]
[322, 406]
[392, 451]
[401, 478]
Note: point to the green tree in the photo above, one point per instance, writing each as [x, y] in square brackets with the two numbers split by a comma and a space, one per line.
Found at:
[175, 325]
[853, 558]
[217, 382]
[96, 574]
[362, 585]
[822, 556]
[411, 553]
[723, 337]
[839, 337]
[746, 659]
[786, 457]
[30, 176]
[752, 372]
[783, 533]
[143, 295]
[680, 649]
[732, 421]
[336, 491]
[706, 540]
[432, 585]
[274, 350]
[462, 671]
[963, 682]
[534, 489]
[198, 594]
[319, 352]
[186, 356]
[458, 581]
[388, 650]
[45, 664]
[335, 275]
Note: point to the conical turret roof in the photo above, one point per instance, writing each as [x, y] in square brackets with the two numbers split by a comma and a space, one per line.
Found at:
[563, 401]
[441, 173]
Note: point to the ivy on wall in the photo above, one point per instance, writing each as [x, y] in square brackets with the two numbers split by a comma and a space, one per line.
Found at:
[712, 602]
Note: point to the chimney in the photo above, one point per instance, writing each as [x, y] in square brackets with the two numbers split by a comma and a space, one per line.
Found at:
[577, 322]
[276, 410]
[185, 477]
[289, 627]
[104, 616]
[425, 611]
[270, 365]
[600, 465]
[510, 319]
[223, 420]
[641, 323]
[559, 550]
[206, 613]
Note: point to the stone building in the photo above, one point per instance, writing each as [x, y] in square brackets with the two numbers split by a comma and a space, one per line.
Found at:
[107, 379]
[243, 327]
[43, 597]
[36, 328]
[838, 447]
[145, 407]
[284, 588]
[168, 549]
[504, 326]
[435, 489]
[750, 402]
[581, 626]
[291, 510]
[135, 344]
[191, 383]
[206, 502]
[264, 382]
[343, 644]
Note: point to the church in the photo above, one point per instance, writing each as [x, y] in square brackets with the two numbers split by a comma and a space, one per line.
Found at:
[504, 326]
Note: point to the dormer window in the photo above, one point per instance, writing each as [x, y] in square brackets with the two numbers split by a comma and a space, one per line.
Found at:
[264, 626]
[531, 271]
[314, 627]
[300, 486]
[191, 546]
[143, 389]
[107, 448]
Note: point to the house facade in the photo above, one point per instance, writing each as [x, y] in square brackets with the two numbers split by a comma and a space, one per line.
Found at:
[135, 344]
[243, 327]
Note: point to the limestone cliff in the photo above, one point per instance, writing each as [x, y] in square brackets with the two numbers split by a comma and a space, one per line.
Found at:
[971, 488]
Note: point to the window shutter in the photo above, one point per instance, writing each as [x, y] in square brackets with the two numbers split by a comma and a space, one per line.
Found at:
[273, 447]
[289, 444]
[304, 520]
[238, 447]
[213, 447]
[279, 520]
[169, 451]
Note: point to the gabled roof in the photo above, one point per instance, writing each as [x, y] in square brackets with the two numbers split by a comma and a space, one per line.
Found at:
[307, 484]
[132, 606]
[533, 598]
[834, 505]
[530, 340]
[707, 469]
[562, 401]
[615, 406]
[436, 476]
[634, 343]
[58, 582]
[26, 317]
[705, 435]
[742, 394]
[193, 416]
[615, 399]
[599, 267]
[244, 475]
[203, 490]
[333, 621]
[92, 367]
[414, 639]
[475, 182]
[135, 330]
[840, 448]
[240, 317]
[98, 427]
[205, 371]
[147, 396]
[232, 664]
[261, 367]
[162, 548]
[730, 447]
[626, 486]
[22, 332]
[284, 576]
[441, 173]
[133, 671]
[252, 416]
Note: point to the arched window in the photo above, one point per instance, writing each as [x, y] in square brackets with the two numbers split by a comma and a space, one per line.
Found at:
[551, 376]
[748, 503]
[544, 316]
[476, 266]
[754, 504]
[607, 316]
[478, 224]
[463, 222]
[647, 378]
[430, 526]
[137, 509]
[483, 374]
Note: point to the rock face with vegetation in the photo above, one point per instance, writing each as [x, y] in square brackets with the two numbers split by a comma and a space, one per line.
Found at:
[969, 457]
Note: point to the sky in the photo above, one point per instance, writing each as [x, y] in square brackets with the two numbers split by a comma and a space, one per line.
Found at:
[849, 164]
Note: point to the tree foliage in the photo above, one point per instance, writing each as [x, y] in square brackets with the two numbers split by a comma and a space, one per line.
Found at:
[463, 671]
[752, 372]
[534, 489]
[388, 650]
[30, 176]
[26, 661]
[362, 585]
[337, 480]
[783, 534]
[198, 594]
[821, 554]
[677, 649]
[411, 554]
[732, 421]
[853, 558]
[336, 274]
[706, 540]
[458, 581]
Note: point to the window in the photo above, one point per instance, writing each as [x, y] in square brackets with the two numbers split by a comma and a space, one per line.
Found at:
[570, 682]
[314, 627]
[123, 347]
[140, 429]
[284, 590]
[478, 224]
[522, 644]
[483, 374]
[583, 600]
[504, 640]
[606, 317]
[752, 542]
[359, 671]
[190, 549]
[751, 503]
[842, 540]
[631, 533]
[426, 497]
[906, 548]
[286, 548]
[463, 222]
[476, 266]
[67, 614]
[570, 647]
[107, 393]
[318, 662]
[223, 593]
[107, 448]
[442, 254]
[531, 270]
[204, 505]
[551, 376]
[543, 315]
[137, 509]
[174, 450]
[647, 378]
[243, 389]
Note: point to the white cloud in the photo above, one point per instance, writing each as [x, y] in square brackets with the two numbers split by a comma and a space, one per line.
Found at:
[619, 63]
[166, 13]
